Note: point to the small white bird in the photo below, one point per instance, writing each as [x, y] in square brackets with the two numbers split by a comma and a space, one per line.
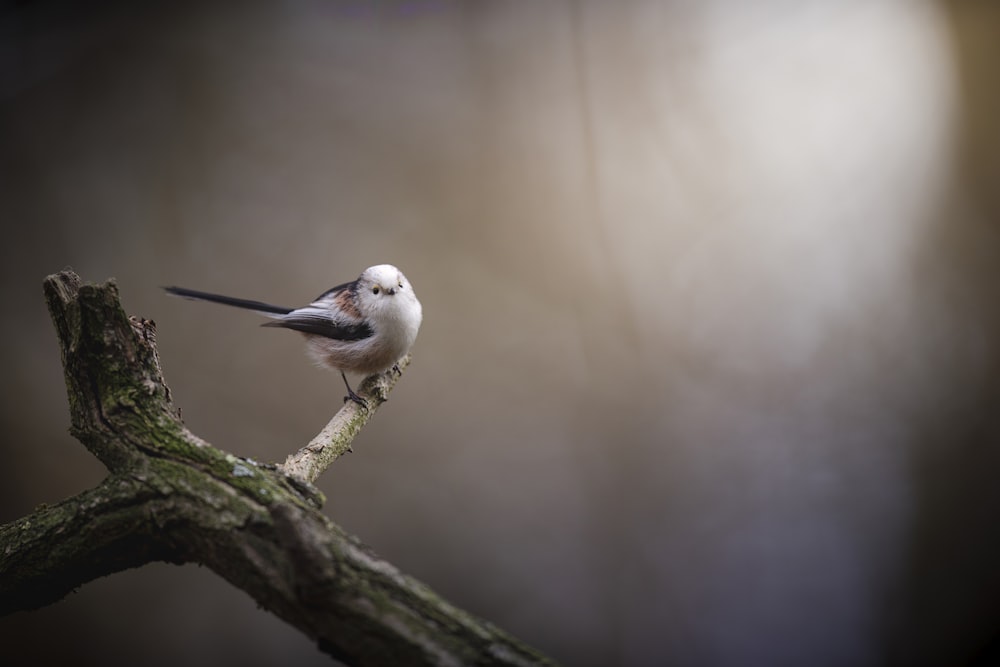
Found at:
[364, 326]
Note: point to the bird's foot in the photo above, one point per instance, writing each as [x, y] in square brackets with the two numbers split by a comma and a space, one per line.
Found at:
[351, 396]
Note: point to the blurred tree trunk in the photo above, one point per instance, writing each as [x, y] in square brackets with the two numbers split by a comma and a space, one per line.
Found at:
[172, 497]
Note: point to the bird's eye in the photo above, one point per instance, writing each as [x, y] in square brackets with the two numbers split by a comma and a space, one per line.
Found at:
[400, 284]
[375, 290]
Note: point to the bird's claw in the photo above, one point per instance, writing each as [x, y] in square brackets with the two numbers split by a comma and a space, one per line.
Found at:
[357, 399]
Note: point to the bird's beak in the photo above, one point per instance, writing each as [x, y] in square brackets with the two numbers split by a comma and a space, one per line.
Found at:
[390, 290]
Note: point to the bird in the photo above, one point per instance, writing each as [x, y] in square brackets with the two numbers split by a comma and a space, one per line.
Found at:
[363, 326]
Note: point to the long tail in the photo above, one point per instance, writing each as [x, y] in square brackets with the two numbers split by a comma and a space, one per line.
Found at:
[259, 306]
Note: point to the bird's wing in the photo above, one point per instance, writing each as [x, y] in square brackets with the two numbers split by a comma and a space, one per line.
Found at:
[332, 293]
[319, 321]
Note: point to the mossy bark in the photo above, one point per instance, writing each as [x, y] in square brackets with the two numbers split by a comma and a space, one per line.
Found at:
[172, 497]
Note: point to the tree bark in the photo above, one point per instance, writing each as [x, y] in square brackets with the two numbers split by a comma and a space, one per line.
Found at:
[172, 497]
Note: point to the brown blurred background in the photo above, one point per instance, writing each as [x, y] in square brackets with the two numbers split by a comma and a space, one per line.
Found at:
[709, 367]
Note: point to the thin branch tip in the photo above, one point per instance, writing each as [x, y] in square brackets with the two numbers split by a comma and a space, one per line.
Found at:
[336, 438]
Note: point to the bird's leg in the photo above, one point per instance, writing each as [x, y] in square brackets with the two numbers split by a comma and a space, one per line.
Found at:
[351, 395]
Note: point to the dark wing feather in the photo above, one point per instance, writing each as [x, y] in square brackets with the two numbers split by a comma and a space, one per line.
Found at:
[314, 321]
[332, 292]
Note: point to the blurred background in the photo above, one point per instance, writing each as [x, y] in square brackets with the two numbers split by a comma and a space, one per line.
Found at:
[709, 372]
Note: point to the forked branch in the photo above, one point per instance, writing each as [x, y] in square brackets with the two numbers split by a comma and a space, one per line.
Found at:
[172, 497]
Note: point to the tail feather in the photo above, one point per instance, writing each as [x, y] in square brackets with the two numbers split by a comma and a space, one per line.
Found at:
[258, 306]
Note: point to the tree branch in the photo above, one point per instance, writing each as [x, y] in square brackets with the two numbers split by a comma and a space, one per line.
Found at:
[172, 497]
[335, 439]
